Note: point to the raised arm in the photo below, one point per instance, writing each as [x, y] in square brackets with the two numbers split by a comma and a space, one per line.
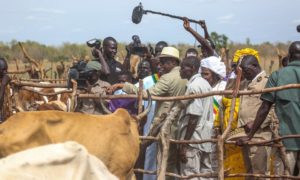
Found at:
[204, 27]
[204, 43]
[104, 68]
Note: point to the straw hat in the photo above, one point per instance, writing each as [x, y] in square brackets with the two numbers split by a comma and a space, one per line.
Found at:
[170, 52]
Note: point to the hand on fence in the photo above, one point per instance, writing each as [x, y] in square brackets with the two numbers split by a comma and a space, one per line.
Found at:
[89, 87]
[242, 141]
[113, 88]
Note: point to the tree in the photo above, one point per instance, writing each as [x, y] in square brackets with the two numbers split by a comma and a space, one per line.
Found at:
[219, 40]
[248, 42]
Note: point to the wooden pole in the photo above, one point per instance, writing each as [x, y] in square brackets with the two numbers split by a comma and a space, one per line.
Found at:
[73, 96]
[220, 143]
[140, 96]
[165, 135]
[220, 151]
[32, 61]
[193, 96]
[51, 85]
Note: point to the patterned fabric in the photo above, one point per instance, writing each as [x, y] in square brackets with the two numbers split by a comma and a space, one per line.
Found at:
[243, 52]
[155, 77]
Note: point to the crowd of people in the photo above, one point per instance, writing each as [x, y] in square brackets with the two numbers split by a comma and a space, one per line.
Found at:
[165, 73]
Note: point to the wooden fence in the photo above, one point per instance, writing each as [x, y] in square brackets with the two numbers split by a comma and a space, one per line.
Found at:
[164, 135]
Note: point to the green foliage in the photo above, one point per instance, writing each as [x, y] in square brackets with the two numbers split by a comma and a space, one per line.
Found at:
[220, 40]
[67, 51]
[248, 42]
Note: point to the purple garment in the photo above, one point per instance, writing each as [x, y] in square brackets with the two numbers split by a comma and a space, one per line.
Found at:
[129, 104]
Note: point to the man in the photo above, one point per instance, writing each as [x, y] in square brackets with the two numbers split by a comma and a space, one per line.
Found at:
[129, 104]
[191, 52]
[5, 79]
[94, 86]
[286, 106]
[284, 61]
[206, 45]
[105, 70]
[196, 122]
[149, 80]
[154, 62]
[136, 51]
[256, 158]
[110, 48]
[169, 84]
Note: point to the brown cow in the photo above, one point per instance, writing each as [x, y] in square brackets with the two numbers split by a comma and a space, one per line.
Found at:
[29, 100]
[112, 138]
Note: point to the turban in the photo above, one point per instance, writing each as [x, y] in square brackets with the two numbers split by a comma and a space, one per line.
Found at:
[243, 52]
[215, 65]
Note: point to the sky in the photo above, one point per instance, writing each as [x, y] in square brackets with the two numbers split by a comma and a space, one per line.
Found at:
[54, 22]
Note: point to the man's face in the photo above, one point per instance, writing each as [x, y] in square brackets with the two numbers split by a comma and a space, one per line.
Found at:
[123, 79]
[158, 50]
[166, 64]
[248, 71]
[207, 75]
[93, 77]
[110, 49]
[155, 63]
[186, 72]
[144, 69]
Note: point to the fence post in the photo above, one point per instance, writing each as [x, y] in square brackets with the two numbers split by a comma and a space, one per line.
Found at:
[140, 96]
[73, 98]
[220, 146]
[165, 135]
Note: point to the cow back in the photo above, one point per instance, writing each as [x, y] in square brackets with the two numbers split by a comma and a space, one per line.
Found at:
[112, 138]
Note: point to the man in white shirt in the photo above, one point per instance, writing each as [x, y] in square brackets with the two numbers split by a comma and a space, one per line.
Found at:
[196, 122]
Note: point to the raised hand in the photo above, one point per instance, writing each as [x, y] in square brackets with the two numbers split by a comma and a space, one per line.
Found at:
[186, 24]
[202, 24]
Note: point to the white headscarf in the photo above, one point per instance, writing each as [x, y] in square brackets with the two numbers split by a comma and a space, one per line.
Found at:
[214, 64]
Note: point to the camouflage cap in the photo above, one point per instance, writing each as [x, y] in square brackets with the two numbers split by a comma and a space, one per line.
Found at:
[93, 65]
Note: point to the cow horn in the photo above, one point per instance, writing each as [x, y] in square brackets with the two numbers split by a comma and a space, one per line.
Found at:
[147, 110]
[106, 111]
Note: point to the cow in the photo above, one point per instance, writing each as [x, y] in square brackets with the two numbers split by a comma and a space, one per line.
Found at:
[68, 160]
[30, 100]
[113, 138]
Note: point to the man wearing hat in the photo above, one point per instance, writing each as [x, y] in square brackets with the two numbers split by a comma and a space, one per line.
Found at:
[94, 86]
[169, 84]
